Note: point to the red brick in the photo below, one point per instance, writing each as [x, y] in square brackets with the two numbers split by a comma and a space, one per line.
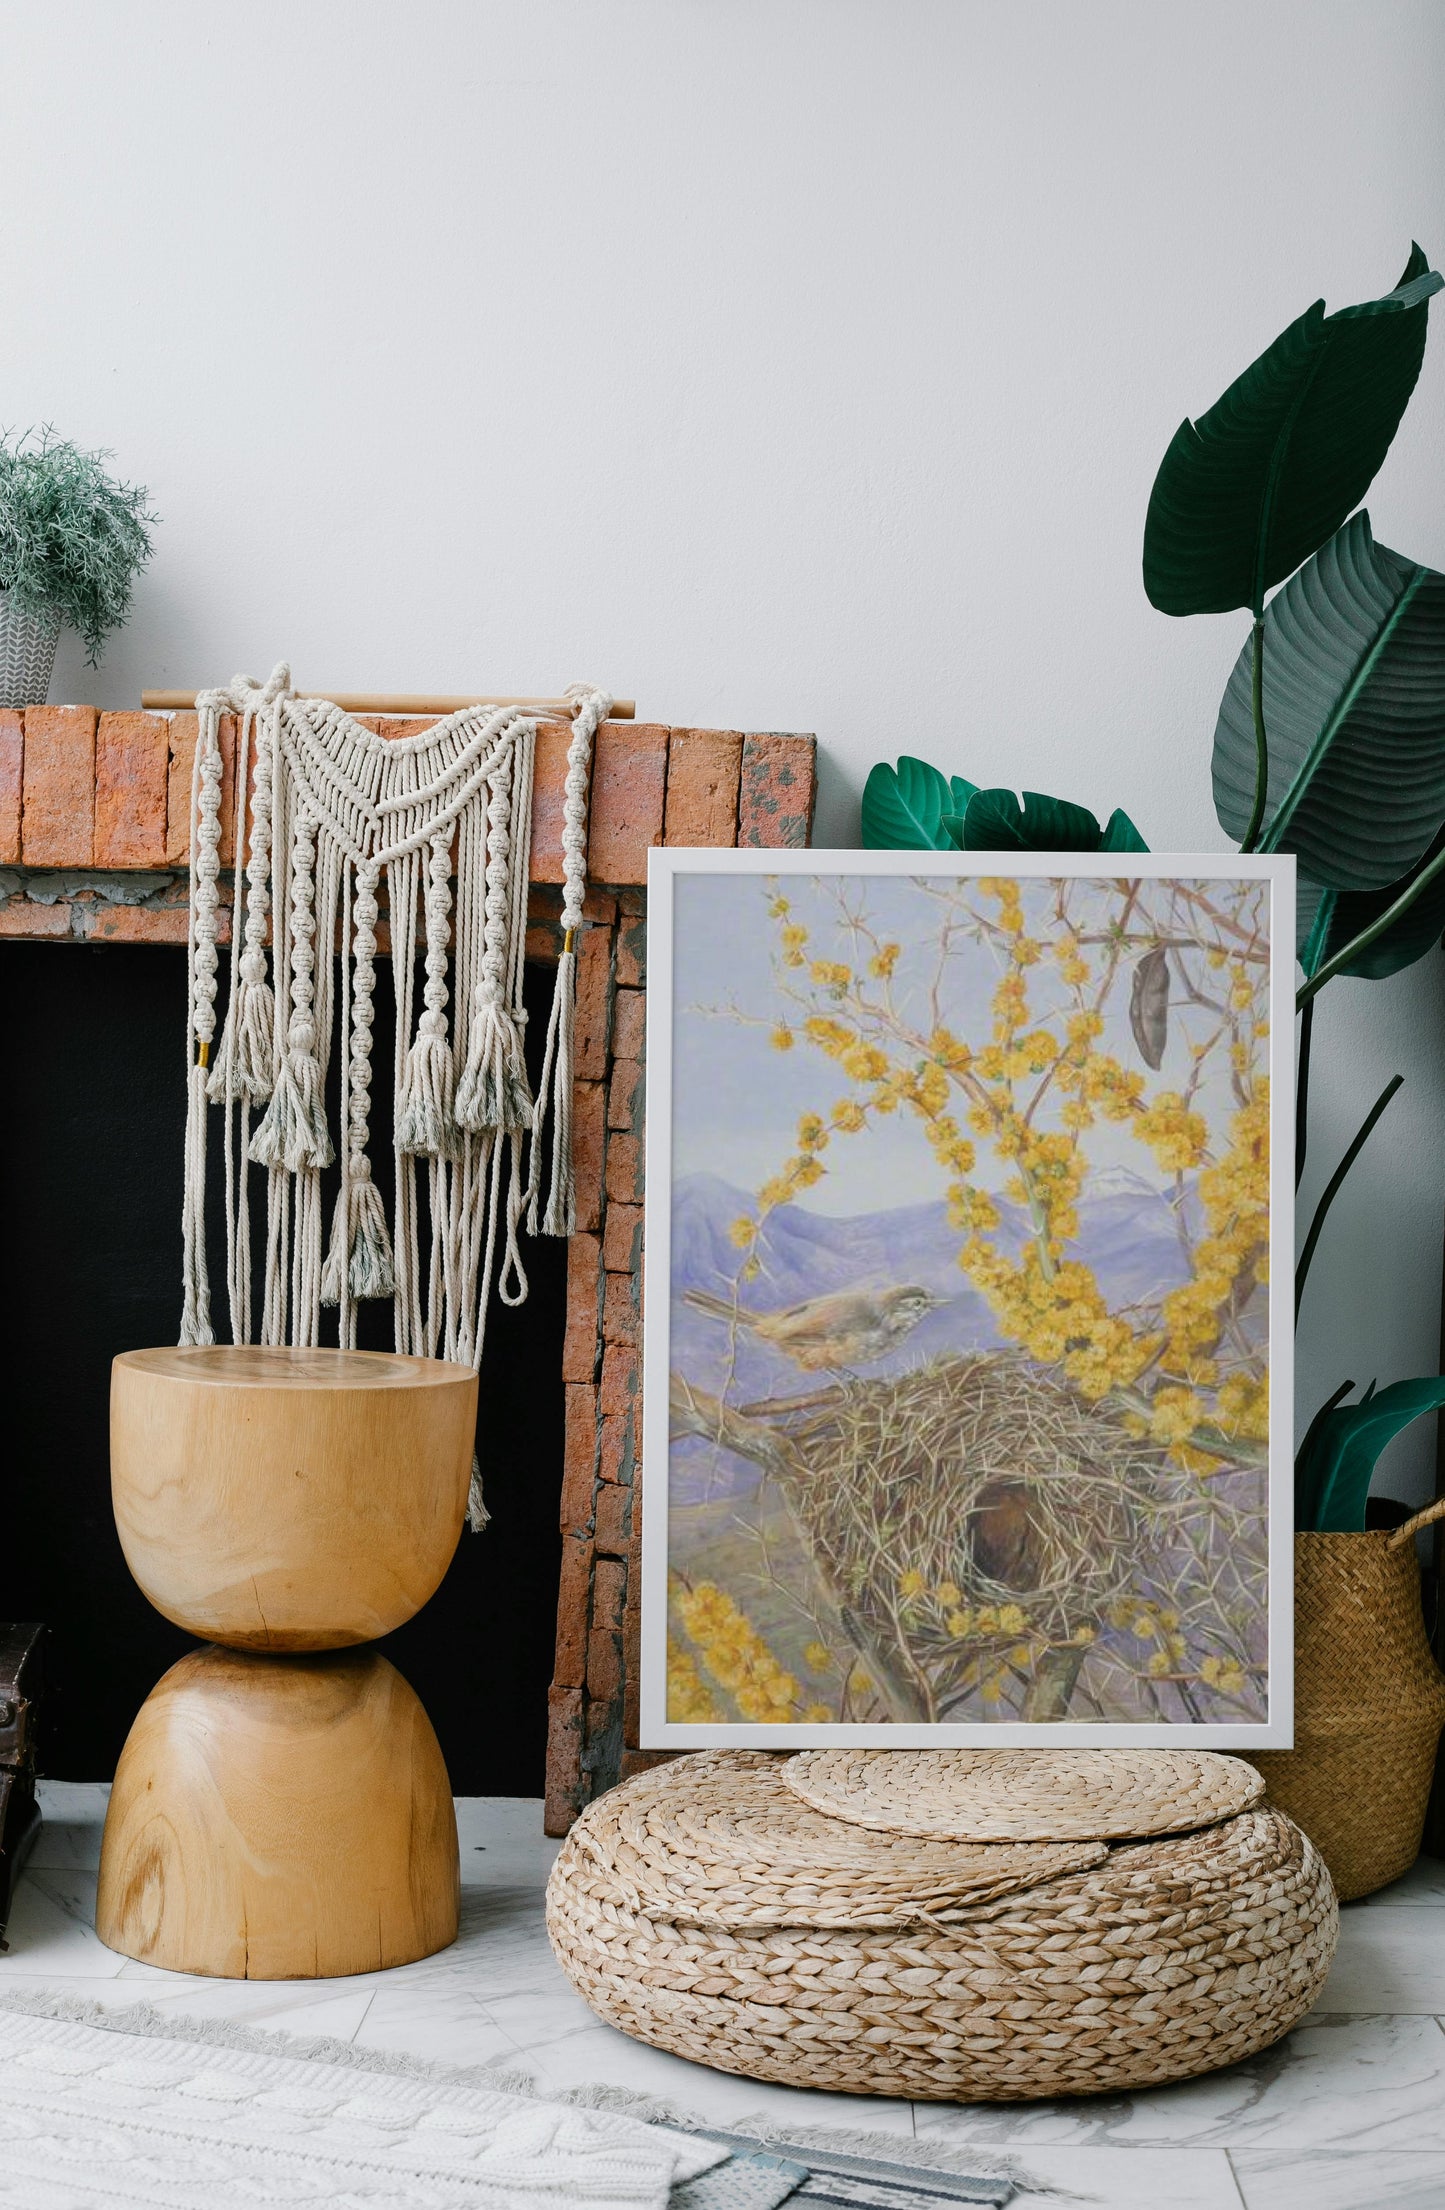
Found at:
[594, 1004]
[629, 794]
[703, 769]
[624, 1169]
[12, 755]
[564, 1759]
[629, 1024]
[636, 1761]
[20, 917]
[180, 767]
[779, 791]
[135, 924]
[619, 1310]
[579, 1456]
[604, 1670]
[58, 824]
[625, 1096]
[622, 1239]
[132, 759]
[614, 1509]
[584, 1283]
[599, 908]
[619, 1379]
[573, 1601]
[609, 1593]
[616, 1458]
[632, 950]
[589, 1138]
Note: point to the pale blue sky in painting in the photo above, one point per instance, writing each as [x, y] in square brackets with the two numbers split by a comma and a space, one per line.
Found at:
[736, 1100]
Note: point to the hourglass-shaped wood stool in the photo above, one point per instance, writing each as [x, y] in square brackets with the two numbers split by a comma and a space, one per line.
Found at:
[281, 1809]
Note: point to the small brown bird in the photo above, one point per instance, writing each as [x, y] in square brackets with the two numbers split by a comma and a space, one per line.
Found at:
[850, 1327]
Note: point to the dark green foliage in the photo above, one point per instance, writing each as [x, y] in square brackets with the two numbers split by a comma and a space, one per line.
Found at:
[914, 808]
[1327, 921]
[72, 539]
[1258, 483]
[1354, 709]
[904, 807]
[994, 821]
[1337, 1458]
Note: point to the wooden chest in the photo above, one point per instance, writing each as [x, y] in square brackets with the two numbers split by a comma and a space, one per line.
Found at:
[21, 1678]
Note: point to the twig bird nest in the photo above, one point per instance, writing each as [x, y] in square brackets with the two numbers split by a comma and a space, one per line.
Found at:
[980, 1475]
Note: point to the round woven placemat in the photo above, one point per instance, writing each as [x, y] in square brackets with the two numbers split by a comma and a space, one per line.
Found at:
[726, 1843]
[1024, 1795]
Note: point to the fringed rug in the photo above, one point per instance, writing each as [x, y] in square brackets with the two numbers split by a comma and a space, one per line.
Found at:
[102, 2109]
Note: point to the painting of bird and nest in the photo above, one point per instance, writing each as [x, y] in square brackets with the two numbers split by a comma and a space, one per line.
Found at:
[967, 1318]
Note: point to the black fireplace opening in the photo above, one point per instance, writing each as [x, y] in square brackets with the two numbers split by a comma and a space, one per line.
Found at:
[92, 1110]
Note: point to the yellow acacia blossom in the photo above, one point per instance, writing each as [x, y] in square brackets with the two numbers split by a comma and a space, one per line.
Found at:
[736, 1656]
[781, 1038]
[688, 1695]
[1223, 1673]
[884, 960]
[1176, 1136]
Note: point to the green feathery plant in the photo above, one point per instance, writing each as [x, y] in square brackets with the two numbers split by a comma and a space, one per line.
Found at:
[72, 539]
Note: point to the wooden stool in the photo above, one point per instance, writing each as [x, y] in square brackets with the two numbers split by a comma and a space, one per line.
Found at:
[278, 1814]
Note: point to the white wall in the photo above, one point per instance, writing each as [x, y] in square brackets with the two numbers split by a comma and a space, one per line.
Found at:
[789, 363]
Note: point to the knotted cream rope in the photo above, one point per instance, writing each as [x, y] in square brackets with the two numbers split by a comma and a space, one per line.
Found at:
[444, 819]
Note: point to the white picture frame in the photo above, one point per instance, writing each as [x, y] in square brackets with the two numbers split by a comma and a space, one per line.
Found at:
[720, 919]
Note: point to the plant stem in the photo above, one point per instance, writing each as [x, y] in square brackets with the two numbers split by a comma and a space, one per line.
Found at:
[1332, 1187]
[1261, 746]
[1302, 1093]
[1367, 937]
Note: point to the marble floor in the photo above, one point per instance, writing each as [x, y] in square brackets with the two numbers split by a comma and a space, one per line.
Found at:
[1347, 2114]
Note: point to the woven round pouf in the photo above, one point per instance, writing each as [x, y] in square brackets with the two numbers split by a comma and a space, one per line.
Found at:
[707, 1909]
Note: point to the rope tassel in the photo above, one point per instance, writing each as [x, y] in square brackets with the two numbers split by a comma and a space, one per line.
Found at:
[560, 1215]
[293, 1134]
[478, 1516]
[245, 1068]
[426, 1118]
[366, 1244]
[494, 1091]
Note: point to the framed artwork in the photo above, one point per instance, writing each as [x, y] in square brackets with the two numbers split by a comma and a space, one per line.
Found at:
[967, 1400]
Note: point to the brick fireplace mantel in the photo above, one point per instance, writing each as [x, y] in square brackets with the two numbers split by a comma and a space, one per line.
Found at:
[94, 844]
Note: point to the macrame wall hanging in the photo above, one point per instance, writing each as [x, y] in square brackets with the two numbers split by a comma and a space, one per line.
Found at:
[444, 819]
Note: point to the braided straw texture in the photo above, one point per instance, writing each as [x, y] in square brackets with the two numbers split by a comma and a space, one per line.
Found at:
[1369, 1705]
[1167, 1959]
[736, 1848]
[1025, 1795]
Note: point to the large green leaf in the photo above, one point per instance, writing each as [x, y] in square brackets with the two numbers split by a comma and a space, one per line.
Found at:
[994, 821]
[1258, 483]
[903, 807]
[1354, 710]
[1328, 920]
[1337, 1463]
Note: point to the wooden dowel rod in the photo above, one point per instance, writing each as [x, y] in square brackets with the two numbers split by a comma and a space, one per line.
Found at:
[367, 702]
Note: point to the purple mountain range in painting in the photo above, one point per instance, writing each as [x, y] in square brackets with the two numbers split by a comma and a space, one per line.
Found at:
[1128, 1235]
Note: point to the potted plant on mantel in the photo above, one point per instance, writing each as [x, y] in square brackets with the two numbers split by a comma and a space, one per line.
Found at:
[72, 541]
[1330, 744]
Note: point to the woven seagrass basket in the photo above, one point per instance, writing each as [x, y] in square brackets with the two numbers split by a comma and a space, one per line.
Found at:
[694, 1910]
[27, 653]
[1369, 1705]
